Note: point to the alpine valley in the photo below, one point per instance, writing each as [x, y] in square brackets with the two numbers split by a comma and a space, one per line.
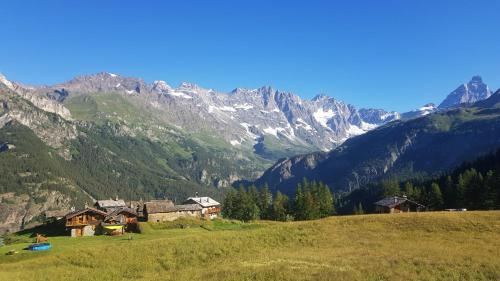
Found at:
[105, 135]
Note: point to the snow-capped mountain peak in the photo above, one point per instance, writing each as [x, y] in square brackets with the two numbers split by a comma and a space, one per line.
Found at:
[161, 86]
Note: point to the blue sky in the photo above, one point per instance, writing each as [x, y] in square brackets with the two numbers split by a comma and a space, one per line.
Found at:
[395, 55]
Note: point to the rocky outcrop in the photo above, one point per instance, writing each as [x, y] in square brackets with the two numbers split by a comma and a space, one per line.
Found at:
[51, 128]
[22, 211]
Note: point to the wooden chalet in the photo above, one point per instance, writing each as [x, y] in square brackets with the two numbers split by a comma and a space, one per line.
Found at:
[120, 221]
[85, 222]
[210, 208]
[396, 204]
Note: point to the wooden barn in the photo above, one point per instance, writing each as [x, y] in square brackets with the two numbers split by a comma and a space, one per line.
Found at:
[120, 221]
[85, 222]
[210, 208]
[165, 210]
[396, 204]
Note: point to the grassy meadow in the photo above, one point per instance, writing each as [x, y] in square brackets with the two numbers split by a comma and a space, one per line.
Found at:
[418, 246]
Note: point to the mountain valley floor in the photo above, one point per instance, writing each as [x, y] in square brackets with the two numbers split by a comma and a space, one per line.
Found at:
[414, 246]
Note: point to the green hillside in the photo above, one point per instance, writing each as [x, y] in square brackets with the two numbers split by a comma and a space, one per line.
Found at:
[112, 147]
[417, 246]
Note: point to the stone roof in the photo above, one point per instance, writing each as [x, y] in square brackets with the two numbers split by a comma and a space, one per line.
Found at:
[169, 207]
[92, 210]
[121, 211]
[158, 206]
[187, 207]
[205, 202]
[394, 201]
[110, 203]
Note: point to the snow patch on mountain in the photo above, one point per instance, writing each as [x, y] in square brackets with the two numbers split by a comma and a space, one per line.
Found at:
[244, 106]
[179, 95]
[323, 116]
[305, 125]
[235, 142]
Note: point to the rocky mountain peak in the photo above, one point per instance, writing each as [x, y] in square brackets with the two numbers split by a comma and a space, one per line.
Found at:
[476, 79]
[321, 97]
[471, 92]
[6, 82]
[161, 85]
[188, 86]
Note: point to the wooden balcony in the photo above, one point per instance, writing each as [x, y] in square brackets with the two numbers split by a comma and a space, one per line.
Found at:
[82, 222]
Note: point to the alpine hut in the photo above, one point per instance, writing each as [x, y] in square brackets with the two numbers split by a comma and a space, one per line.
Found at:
[210, 208]
[165, 210]
[119, 221]
[396, 204]
[84, 222]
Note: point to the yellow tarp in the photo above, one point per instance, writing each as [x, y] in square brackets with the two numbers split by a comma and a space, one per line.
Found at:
[113, 227]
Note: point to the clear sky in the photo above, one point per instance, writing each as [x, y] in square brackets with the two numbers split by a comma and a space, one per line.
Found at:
[395, 55]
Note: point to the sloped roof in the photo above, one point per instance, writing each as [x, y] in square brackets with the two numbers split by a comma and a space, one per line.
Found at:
[205, 202]
[169, 207]
[158, 206]
[187, 207]
[394, 201]
[121, 211]
[76, 213]
[110, 203]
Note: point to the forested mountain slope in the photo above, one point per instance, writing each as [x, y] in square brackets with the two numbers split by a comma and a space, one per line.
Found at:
[423, 146]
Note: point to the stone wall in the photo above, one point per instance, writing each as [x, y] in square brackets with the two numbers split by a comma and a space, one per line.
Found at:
[162, 217]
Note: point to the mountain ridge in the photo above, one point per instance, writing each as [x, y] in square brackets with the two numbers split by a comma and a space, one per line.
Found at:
[425, 145]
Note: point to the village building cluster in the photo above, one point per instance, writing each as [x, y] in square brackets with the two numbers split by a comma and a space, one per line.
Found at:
[115, 216]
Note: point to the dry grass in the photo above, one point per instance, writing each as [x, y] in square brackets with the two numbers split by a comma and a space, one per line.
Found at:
[425, 246]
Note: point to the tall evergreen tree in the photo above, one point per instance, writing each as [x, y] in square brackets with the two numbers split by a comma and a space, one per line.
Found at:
[390, 188]
[264, 202]
[228, 207]
[435, 201]
[279, 207]
[325, 201]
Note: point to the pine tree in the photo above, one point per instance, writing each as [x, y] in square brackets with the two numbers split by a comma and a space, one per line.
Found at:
[325, 201]
[264, 202]
[390, 188]
[409, 190]
[228, 207]
[247, 207]
[298, 205]
[358, 209]
[279, 207]
[435, 197]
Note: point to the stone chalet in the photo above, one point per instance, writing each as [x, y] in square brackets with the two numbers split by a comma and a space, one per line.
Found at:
[165, 210]
[210, 208]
